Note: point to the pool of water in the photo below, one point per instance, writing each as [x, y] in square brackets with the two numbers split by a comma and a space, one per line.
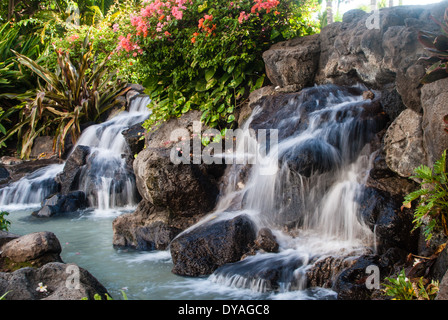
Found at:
[86, 240]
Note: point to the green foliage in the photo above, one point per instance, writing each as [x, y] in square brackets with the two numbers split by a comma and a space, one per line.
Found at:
[432, 208]
[103, 40]
[402, 288]
[77, 93]
[108, 297]
[437, 46]
[15, 79]
[3, 297]
[4, 223]
[209, 58]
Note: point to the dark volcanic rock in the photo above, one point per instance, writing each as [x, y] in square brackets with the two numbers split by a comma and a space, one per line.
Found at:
[62, 203]
[212, 244]
[391, 224]
[69, 177]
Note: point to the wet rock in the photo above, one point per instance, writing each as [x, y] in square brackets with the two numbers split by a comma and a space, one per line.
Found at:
[35, 248]
[350, 284]
[266, 240]
[69, 177]
[262, 273]
[316, 155]
[201, 250]
[4, 175]
[62, 203]
[392, 226]
[60, 281]
[368, 95]
[134, 137]
[156, 236]
[323, 272]
[145, 229]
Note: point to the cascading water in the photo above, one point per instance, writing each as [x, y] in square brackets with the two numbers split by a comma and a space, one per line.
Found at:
[106, 179]
[31, 189]
[323, 159]
[321, 163]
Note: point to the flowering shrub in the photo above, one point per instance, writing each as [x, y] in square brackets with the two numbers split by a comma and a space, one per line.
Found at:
[103, 36]
[206, 55]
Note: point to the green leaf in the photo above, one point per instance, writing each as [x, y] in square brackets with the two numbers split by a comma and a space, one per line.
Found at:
[259, 82]
[209, 74]
[201, 86]
[221, 108]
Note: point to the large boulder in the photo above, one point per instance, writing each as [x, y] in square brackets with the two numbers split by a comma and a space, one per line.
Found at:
[180, 188]
[211, 244]
[146, 228]
[34, 249]
[403, 143]
[53, 281]
[293, 63]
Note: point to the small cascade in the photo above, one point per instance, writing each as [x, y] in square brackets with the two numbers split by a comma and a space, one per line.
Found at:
[322, 159]
[107, 178]
[30, 190]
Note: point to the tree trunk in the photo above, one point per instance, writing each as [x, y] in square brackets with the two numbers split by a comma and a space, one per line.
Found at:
[329, 12]
[11, 6]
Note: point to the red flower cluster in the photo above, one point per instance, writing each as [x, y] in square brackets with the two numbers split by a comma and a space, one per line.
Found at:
[264, 4]
[205, 24]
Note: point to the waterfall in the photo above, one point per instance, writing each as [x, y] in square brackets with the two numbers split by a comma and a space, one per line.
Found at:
[323, 158]
[107, 179]
[30, 190]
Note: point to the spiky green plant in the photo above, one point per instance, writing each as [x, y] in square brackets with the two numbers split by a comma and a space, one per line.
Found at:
[77, 93]
[432, 208]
